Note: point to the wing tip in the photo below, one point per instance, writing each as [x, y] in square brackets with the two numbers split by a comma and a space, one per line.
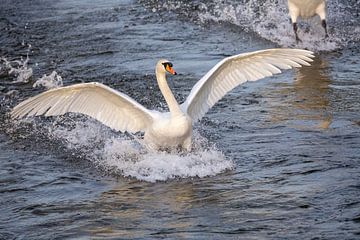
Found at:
[15, 113]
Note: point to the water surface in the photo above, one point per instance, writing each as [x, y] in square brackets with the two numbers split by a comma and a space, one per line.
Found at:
[277, 158]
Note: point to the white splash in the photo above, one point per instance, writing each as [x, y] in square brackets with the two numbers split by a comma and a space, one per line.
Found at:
[125, 155]
[54, 80]
[18, 68]
[270, 20]
[132, 160]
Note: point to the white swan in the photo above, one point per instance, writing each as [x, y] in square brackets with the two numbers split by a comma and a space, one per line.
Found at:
[306, 9]
[173, 128]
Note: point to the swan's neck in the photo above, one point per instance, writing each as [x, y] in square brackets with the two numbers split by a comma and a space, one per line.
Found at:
[174, 107]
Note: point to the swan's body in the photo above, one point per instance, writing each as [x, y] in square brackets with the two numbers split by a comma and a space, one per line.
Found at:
[306, 9]
[173, 128]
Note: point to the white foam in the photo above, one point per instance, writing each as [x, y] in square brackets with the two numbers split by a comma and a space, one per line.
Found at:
[54, 80]
[125, 155]
[270, 20]
[134, 161]
[18, 68]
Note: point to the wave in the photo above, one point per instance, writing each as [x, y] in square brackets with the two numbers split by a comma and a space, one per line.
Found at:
[269, 19]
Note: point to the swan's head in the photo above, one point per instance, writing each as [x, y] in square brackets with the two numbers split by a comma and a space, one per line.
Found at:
[164, 66]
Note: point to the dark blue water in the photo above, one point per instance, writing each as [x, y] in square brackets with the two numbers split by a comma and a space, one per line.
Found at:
[275, 159]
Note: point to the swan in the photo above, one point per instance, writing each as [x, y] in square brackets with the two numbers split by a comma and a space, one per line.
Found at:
[306, 9]
[162, 130]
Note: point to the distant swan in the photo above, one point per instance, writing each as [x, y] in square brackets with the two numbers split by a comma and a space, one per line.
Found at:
[170, 129]
[306, 9]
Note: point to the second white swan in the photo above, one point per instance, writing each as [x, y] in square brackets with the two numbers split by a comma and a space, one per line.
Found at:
[162, 129]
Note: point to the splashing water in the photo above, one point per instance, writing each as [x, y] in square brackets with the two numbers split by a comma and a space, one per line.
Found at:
[270, 20]
[132, 161]
[54, 80]
[18, 69]
[124, 155]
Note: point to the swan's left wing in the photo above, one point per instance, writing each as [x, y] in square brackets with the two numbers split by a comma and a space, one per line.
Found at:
[235, 70]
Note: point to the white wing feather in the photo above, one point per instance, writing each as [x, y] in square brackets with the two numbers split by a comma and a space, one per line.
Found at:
[112, 108]
[235, 70]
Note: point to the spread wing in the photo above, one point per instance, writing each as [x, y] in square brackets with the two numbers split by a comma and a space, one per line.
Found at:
[112, 108]
[235, 70]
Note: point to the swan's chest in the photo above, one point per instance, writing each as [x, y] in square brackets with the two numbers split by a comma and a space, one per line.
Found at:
[306, 8]
[173, 127]
[169, 132]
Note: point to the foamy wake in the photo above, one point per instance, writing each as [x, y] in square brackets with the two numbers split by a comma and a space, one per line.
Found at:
[122, 154]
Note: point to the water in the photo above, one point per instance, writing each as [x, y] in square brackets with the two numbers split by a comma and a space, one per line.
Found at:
[277, 158]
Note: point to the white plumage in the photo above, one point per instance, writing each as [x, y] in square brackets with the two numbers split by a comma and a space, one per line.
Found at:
[173, 128]
[306, 9]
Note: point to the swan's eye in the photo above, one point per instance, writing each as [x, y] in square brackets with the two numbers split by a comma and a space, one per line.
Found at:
[167, 64]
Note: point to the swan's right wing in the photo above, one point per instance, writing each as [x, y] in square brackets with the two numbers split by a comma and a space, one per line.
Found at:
[112, 108]
[235, 70]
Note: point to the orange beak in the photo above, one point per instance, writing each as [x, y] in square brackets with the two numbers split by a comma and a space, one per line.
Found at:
[170, 70]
